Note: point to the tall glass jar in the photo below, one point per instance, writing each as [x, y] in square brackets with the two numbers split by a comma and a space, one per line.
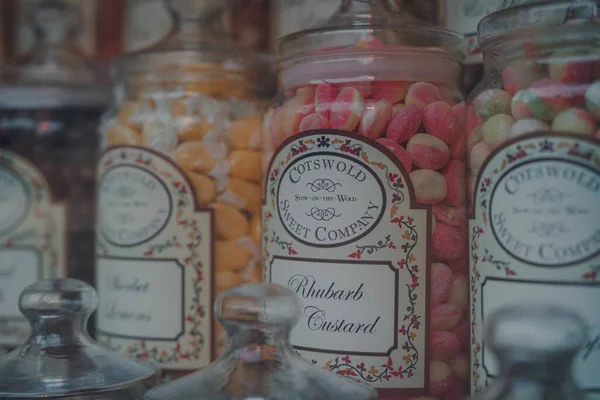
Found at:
[363, 214]
[51, 100]
[534, 171]
[179, 190]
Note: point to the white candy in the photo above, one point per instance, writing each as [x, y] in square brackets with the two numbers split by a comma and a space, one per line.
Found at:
[528, 125]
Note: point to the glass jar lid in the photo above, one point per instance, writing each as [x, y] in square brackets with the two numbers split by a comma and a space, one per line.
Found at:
[535, 334]
[197, 44]
[59, 359]
[366, 38]
[55, 72]
[259, 362]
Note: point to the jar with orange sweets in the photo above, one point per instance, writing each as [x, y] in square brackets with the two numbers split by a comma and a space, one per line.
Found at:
[179, 190]
[364, 212]
[533, 155]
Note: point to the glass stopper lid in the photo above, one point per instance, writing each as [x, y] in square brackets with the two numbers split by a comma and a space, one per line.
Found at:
[59, 359]
[535, 333]
[259, 362]
[197, 40]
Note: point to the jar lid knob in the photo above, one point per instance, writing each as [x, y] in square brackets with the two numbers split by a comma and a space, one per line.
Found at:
[257, 303]
[54, 21]
[58, 297]
[535, 333]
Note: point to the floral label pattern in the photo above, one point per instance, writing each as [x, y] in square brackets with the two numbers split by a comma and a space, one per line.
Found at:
[535, 234]
[154, 261]
[342, 229]
[32, 239]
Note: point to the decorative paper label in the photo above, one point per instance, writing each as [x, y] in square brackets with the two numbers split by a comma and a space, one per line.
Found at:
[342, 230]
[154, 261]
[535, 238]
[32, 239]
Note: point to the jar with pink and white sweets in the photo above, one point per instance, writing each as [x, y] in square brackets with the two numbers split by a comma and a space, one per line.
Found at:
[364, 199]
[533, 155]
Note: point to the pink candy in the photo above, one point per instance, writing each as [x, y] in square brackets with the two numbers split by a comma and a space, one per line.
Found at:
[445, 317]
[325, 96]
[455, 174]
[443, 345]
[314, 121]
[375, 119]
[439, 121]
[441, 283]
[427, 151]
[398, 151]
[392, 91]
[448, 242]
[422, 94]
[404, 124]
[347, 109]
[441, 378]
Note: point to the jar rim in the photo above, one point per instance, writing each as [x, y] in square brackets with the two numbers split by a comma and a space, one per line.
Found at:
[521, 20]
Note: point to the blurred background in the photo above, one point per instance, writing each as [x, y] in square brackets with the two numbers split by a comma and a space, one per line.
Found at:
[112, 27]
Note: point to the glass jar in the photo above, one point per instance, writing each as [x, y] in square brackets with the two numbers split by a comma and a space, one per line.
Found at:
[60, 360]
[51, 100]
[534, 347]
[179, 190]
[364, 200]
[259, 362]
[534, 171]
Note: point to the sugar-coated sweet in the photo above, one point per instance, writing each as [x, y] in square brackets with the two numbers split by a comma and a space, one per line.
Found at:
[479, 154]
[496, 130]
[546, 98]
[427, 151]
[459, 111]
[430, 186]
[246, 165]
[365, 88]
[441, 377]
[472, 120]
[275, 129]
[433, 224]
[448, 242]
[459, 293]
[229, 222]
[204, 187]
[441, 283]
[528, 125]
[461, 264]
[570, 66]
[462, 332]
[392, 91]
[457, 150]
[443, 345]
[324, 97]
[422, 94]
[461, 367]
[226, 279]
[375, 119]
[397, 107]
[244, 134]
[445, 317]
[592, 99]
[491, 102]
[520, 74]
[455, 174]
[120, 135]
[453, 216]
[475, 136]
[574, 120]
[439, 121]
[404, 124]
[401, 154]
[295, 110]
[457, 391]
[446, 94]
[519, 107]
[314, 121]
[231, 255]
[243, 195]
[199, 156]
[347, 109]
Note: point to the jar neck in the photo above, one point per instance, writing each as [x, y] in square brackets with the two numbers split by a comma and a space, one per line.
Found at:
[510, 47]
[553, 375]
[57, 334]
